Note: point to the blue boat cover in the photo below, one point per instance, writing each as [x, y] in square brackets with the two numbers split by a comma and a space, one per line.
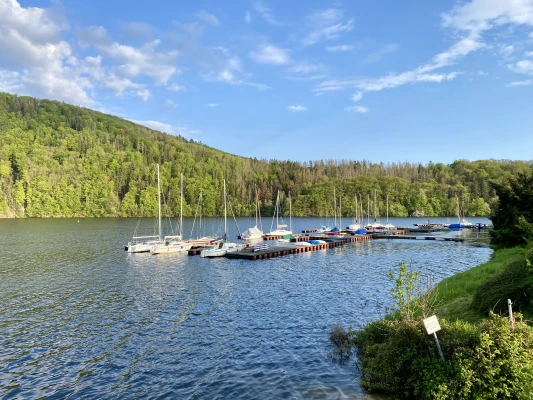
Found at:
[361, 231]
[335, 229]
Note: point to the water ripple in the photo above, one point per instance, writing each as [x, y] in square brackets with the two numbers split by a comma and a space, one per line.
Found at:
[80, 317]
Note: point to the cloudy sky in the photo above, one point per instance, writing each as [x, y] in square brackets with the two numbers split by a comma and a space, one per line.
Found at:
[381, 80]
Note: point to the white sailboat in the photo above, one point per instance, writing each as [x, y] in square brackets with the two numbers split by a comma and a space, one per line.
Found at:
[201, 239]
[255, 232]
[355, 225]
[388, 225]
[173, 243]
[224, 246]
[143, 244]
[376, 224]
[280, 228]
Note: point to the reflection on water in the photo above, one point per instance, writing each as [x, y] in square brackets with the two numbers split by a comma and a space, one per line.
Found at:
[79, 316]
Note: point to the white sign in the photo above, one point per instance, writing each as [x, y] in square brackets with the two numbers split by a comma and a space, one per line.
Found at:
[432, 324]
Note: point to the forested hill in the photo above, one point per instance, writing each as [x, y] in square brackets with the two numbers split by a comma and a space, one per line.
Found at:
[58, 160]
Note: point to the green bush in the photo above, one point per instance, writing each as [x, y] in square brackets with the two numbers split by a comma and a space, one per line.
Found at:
[515, 282]
[483, 361]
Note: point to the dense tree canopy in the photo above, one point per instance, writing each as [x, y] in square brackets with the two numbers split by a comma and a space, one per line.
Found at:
[516, 201]
[61, 160]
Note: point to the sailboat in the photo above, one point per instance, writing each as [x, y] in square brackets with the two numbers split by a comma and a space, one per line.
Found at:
[143, 244]
[173, 243]
[355, 225]
[224, 246]
[461, 220]
[200, 240]
[280, 228]
[255, 232]
[388, 225]
[376, 224]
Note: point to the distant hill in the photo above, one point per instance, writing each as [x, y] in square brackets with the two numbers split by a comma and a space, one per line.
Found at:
[59, 160]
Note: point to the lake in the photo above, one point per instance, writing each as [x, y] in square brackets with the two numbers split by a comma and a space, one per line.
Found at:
[81, 317]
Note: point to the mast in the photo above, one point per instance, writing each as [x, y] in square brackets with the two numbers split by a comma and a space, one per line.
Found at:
[255, 188]
[290, 212]
[225, 216]
[181, 208]
[361, 215]
[340, 212]
[387, 208]
[375, 213]
[277, 211]
[368, 210]
[335, 206]
[356, 210]
[159, 200]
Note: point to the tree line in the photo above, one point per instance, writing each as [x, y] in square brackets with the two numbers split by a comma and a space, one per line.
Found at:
[59, 160]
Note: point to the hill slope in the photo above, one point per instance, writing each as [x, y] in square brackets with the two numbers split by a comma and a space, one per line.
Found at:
[61, 160]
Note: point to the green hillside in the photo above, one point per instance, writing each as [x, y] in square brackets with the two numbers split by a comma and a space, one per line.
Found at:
[58, 160]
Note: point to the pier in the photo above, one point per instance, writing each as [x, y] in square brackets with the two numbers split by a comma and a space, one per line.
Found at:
[282, 250]
[418, 237]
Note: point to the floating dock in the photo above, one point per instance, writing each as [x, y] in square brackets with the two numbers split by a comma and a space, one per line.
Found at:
[283, 250]
[419, 237]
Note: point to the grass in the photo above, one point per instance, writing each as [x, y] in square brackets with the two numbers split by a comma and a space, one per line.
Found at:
[454, 294]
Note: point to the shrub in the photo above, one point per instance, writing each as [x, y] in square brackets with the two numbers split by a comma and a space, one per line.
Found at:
[483, 361]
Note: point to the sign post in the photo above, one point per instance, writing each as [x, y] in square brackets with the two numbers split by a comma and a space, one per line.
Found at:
[511, 318]
[432, 326]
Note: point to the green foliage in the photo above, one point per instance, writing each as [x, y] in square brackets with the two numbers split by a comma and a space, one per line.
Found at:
[515, 201]
[483, 361]
[515, 282]
[61, 160]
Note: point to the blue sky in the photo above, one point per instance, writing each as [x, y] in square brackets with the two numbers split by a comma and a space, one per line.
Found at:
[301, 80]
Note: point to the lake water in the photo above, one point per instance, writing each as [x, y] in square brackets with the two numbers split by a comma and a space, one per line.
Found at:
[81, 317]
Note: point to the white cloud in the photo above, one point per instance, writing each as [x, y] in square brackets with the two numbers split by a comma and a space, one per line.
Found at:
[206, 17]
[213, 105]
[387, 82]
[528, 54]
[269, 54]
[507, 51]
[229, 70]
[326, 25]
[144, 94]
[176, 88]
[483, 73]
[521, 83]
[358, 109]
[380, 53]
[297, 108]
[9, 81]
[522, 67]
[305, 68]
[247, 17]
[340, 48]
[31, 46]
[182, 130]
[265, 12]
[170, 104]
[357, 96]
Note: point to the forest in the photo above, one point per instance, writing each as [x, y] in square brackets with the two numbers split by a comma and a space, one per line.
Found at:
[59, 160]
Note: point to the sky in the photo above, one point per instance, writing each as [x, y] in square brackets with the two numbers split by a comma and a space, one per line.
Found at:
[379, 80]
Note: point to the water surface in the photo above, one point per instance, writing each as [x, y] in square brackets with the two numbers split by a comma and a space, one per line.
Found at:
[80, 317]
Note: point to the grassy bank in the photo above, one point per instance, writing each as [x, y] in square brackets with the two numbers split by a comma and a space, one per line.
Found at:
[455, 294]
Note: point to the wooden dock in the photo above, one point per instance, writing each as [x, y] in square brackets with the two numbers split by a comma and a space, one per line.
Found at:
[419, 237]
[278, 251]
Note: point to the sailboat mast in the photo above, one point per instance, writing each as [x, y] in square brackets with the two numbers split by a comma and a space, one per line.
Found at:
[181, 208]
[368, 210]
[361, 205]
[159, 200]
[387, 208]
[340, 212]
[375, 208]
[335, 206]
[356, 210]
[225, 212]
[290, 212]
